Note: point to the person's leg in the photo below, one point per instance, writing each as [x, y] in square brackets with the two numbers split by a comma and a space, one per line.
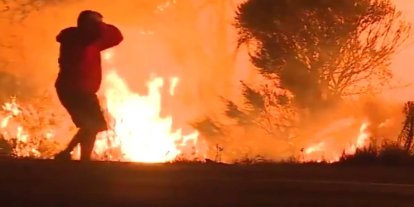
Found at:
[65, 154]
[70, 100]
[87, 144]
[93, 122]
[75, 141]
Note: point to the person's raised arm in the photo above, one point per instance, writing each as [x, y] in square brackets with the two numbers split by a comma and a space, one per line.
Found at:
[110, 36]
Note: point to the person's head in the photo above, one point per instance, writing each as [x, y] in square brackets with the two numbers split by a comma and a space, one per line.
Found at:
[88, 18]
[88, 23]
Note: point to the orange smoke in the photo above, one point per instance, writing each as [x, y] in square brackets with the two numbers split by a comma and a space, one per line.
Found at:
[190, 46]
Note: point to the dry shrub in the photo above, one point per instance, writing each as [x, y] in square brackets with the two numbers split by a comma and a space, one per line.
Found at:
[389, 153]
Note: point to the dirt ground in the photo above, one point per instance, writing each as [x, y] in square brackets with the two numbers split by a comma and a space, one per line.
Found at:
[50, 183]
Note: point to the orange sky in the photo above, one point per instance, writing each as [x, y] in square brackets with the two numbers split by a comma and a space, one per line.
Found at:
[403, 62]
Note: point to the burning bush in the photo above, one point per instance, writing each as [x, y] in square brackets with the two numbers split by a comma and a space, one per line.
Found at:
[29, 131]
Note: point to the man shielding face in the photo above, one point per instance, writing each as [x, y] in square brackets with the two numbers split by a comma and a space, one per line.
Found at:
[80, 76]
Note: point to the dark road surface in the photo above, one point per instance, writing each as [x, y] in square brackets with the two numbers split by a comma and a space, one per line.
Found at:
[49, 183]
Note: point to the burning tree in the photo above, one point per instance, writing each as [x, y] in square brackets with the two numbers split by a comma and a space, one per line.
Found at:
[321, 51]
[311, 54]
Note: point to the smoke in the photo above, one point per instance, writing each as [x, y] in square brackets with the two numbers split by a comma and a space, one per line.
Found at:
[193, 40]
[401, 65]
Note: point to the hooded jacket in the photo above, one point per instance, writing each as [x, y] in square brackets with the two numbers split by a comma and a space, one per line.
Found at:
[80, 58]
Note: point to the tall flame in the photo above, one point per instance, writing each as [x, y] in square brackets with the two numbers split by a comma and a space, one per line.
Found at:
[140, 132]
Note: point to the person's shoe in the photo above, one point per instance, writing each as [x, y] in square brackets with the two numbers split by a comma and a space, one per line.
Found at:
[63, 156]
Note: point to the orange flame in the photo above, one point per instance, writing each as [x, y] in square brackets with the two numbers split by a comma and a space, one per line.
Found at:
[139, 131]
[15, 133]
[362, 139]
[323, 152]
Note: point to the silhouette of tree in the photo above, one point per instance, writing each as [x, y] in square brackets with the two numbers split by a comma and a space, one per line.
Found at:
[407, 133]
[311, 55]
[321, 51]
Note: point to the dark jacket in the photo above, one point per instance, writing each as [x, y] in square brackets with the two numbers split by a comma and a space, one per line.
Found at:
[80, 58]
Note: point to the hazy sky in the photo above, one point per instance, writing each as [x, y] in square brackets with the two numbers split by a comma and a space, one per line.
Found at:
[404, 61]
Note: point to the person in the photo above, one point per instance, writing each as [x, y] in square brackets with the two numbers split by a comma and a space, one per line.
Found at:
[80, 75]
